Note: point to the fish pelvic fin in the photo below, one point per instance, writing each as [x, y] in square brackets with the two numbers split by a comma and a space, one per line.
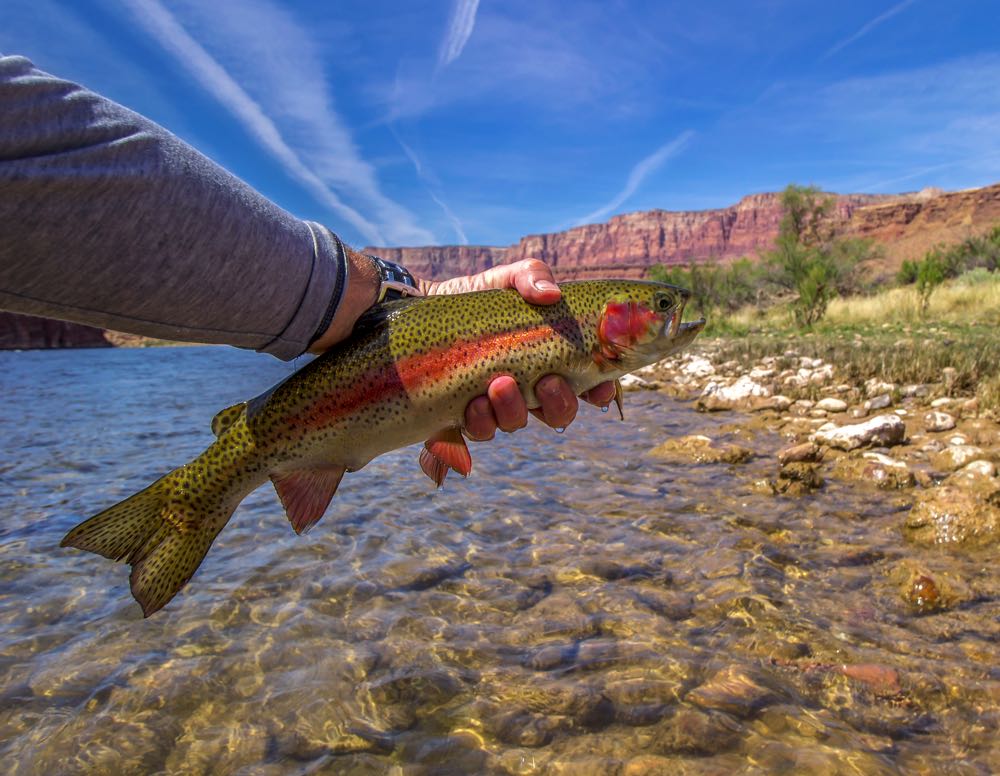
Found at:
[306, 493]
[163, 532]
[445, 450]
[620, 399]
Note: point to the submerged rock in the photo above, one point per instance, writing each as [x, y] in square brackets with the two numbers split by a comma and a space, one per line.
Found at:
[950, 515]
[882, 430]
[734, 691]
[697, 448]
[957, 456]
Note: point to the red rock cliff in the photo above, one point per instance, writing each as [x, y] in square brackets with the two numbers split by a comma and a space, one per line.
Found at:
[26, 332]
[627, 245]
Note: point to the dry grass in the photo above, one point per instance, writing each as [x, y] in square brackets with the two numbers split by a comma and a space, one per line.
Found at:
[959, 301]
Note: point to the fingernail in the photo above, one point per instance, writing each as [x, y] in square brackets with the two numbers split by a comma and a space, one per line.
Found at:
[545, 285]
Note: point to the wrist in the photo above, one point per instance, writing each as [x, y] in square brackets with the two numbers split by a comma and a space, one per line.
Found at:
[360, 293]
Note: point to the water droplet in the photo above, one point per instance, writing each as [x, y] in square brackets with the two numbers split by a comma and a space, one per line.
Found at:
[560, 429]
[604, 408]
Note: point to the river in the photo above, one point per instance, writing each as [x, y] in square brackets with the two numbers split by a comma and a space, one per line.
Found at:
[575, 606]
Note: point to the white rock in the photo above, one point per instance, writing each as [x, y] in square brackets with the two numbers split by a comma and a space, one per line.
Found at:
[811, 363]
[879, 402]
[944, 401]
[958, 439]
[806, 404]
[938, 421]
[832, 405]
[761, 372]
[958, 456]
[740, 391]
[822, 375]
[885, 460]
[901, 412]
[914, 390]
[698, 366]
[980, 469]
[874, 387]
[794, 381]
[636, 383]
[883, 430]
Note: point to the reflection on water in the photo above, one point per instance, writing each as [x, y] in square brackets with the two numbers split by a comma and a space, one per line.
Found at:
[573, 607]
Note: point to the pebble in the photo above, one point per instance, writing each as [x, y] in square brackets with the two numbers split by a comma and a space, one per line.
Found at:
[939, 421]
[874, 387]
[944, 401]
[732, 690]
[831, 404]
[878, 402]
[807, 451]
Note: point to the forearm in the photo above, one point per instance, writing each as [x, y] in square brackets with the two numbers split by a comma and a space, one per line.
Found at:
[108, 219]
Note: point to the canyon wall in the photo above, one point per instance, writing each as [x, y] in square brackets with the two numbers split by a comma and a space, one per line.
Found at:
[27, 332]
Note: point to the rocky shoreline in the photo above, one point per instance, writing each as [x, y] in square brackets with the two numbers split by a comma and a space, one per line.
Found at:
[937, 452]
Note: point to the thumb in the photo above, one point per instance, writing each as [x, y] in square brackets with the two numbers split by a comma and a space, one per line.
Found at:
[534, 281]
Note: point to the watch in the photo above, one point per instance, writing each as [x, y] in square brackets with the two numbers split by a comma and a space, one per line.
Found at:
[396, 282]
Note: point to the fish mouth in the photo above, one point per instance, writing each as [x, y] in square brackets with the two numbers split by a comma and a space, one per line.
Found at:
[683, 333]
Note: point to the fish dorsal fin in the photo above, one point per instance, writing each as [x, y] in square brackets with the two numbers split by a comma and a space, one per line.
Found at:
[225, 418]
[305, 493]
[445, 450]
[381, 313]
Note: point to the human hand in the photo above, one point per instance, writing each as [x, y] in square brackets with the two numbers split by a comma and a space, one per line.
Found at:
[503, 406]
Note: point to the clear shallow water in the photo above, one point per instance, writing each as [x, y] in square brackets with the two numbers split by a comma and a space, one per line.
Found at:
[574, 607]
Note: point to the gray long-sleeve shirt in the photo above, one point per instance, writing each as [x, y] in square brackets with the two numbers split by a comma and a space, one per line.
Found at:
[108, 219]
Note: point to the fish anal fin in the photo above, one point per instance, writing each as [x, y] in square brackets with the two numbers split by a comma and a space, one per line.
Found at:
[305, 493]
[445, 450]
[619, 396]
[225, 418]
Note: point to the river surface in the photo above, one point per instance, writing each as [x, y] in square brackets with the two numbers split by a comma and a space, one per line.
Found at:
[576, 606]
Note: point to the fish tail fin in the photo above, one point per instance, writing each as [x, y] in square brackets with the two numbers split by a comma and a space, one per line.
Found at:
[163, 532]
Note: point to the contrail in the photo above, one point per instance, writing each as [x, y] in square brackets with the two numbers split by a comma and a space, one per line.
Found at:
[460, 25]
[639, 173]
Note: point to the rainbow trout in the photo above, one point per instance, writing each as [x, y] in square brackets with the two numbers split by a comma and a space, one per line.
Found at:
[405, 375]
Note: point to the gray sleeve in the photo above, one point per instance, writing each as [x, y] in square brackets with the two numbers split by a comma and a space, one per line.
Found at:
[108, 219]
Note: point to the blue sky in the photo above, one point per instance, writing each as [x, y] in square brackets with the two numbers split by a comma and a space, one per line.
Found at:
[411, 123]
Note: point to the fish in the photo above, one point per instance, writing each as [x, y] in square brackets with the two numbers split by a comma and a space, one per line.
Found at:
[404, 376]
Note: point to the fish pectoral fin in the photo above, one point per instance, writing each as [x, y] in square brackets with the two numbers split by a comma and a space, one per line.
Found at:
[305, 493]
[445, 450]
[225, 418]
[619, 396]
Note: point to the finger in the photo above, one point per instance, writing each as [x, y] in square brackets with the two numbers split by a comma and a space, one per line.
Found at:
[532, 278]
[534, 281]
[601, 395]
[480, 423]
[559, 404]
[508, 405]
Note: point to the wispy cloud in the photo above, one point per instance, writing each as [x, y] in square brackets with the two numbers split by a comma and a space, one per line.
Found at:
[639, 173]
[868, 27]
[289, 114]
[460, 26]
[431, 184]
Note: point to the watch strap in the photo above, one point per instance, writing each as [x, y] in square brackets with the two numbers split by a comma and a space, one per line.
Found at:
[396, 281]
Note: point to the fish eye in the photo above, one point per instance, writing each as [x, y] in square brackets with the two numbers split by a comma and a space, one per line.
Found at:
[663, 302]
